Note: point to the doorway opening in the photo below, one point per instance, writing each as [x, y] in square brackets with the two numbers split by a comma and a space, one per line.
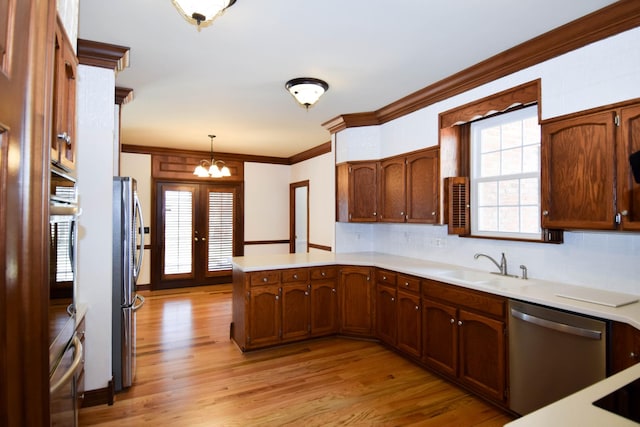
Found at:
[299, 217]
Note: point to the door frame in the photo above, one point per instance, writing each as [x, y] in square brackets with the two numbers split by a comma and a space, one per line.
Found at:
[292, 213]
[156, 243]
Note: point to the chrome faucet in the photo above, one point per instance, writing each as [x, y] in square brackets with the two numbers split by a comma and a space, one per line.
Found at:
[502, 266]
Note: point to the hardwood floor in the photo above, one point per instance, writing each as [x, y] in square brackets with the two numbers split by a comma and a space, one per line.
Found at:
[190, 373]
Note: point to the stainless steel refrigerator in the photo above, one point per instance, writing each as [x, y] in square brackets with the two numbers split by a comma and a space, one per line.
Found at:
[128, 250]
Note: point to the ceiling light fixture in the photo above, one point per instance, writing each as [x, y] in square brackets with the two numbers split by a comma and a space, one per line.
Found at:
[212, 168]
[202, 12]
[306, 90]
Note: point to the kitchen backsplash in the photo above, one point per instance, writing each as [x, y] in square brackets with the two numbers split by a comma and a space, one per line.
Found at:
[595, 259]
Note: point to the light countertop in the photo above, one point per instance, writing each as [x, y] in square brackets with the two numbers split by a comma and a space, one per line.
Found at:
[532, 290]
[574, 410]
[577, 409]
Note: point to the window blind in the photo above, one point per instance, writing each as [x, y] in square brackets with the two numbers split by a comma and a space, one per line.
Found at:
[178, 229]
[220, 226]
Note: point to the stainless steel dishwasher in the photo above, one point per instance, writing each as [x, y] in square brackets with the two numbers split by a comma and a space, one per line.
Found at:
[552, 354]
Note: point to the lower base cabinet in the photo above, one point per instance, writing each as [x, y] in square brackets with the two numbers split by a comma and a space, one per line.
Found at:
[458, 332]
[625, 347]
[464, 337]
[357, 301]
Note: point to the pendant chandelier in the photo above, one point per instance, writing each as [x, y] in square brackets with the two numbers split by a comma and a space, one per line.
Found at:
[202, 12]
[306, 90]
[212, 168]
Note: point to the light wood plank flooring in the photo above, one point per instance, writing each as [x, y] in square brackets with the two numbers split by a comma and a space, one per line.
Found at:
[191, 374]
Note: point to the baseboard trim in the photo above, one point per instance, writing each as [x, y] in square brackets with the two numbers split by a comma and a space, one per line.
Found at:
[102, 396]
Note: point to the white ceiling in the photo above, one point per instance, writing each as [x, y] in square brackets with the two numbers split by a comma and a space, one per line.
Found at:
[228, 79]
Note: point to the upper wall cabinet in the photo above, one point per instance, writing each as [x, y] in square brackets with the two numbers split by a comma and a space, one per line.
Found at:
[586, 177]
[356, 186]
[398, 189]
[63, 139]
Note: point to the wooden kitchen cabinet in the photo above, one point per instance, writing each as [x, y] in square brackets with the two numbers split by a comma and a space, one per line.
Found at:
[386, 306]
[423, 189]
[586, 178]
[296, 309]
[409, 188]
[409, 314]
[264, 316]
[357, 293]
[625, 347]
[393, 191]
[464, 337]
[386, 313]
[628, 194]
[63, 139]
[324, 301]
[356, 187]
[276, 306]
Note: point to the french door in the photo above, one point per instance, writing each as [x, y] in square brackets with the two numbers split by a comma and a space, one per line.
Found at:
[198, 229]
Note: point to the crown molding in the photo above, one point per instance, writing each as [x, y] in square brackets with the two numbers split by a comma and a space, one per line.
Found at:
[124, 95]
[311, 153]
[103, 55]
[606, 22]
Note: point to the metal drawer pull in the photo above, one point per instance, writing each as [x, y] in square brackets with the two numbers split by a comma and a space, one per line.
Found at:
[77, 360]
[560, 327]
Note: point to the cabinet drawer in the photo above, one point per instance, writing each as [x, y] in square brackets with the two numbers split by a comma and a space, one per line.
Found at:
[319, 273]
[297, 275]
[386, 276]
[265, 277]
[408, 283]
[480, 301]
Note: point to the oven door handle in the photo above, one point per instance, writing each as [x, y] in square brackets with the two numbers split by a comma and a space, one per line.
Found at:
[77, 361]
[560, 327]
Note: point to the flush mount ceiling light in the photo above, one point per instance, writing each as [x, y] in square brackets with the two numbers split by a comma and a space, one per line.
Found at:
[212, 168]
[306, 90]
[202, 12]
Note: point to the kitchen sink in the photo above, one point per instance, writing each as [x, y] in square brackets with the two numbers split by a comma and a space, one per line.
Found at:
[468, 276]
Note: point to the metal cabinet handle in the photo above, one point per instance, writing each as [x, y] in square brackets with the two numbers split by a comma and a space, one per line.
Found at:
[624, 212]
[65, 137]
[560, 327]
[333, 289]
[459, 322]
[417, 307]
[545, 213]
[295, 276]
[264, 279]
[452, 321]
[406, 283]
[136, 307]
[392, 299]
[323, 274]
[77, 360]
[633, 355]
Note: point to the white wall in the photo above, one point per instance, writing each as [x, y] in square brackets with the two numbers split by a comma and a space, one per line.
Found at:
[266, 207]
[138, 166]
[602, 73]
[95, 134]
[320, 173]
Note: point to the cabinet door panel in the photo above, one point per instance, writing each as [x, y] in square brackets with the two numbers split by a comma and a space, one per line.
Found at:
[295, 312]
[386, 315]
[392, 190]
[578, 172]
[324, 308]
[482, 354]
[628, 189]
[363, 184]
[423, 188]
[409, 335]
[440, 337]
[264, 316]
[356, 302]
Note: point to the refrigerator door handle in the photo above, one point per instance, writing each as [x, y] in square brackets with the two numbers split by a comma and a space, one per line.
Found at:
[138, 306]
[138, 209]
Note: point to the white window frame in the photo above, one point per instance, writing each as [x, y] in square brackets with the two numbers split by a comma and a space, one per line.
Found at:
[476, 180]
